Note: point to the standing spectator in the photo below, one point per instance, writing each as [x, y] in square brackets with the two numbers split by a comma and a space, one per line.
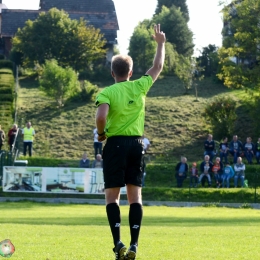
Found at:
[217, 170]
[28, 133]
[239, 172]
[98, 163]
[11, 136]
[120, 120]
[84, 162]
[209, 146]
[228, 173]
[2, 137]
[249, 150]
[97, 144]
[205, 169]
[235, 148]
[194, 175]
[257, 151]
[181, 170]
[223, 150]
[147, 145]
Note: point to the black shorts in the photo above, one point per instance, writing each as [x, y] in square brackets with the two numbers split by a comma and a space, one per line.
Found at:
[123, 161]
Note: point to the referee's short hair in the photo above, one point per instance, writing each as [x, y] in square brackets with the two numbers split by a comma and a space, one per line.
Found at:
[121, 65]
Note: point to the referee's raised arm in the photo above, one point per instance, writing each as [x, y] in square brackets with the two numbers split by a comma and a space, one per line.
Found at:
[158, 62]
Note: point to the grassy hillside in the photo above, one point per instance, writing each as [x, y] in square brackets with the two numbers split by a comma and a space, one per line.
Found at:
[174, 122]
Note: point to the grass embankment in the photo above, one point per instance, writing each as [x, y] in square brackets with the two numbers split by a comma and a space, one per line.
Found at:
[174, 122]
[6, 98]
[73, 232]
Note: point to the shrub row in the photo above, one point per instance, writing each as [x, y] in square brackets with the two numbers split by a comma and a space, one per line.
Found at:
[6, 64]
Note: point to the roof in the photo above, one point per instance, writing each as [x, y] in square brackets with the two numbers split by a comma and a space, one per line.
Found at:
[99, 13]
[79, 5]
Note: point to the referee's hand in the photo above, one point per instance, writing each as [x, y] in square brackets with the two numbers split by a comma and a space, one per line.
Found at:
[102, 138]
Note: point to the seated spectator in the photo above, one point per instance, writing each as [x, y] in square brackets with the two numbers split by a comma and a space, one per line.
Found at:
[2, 137]
[98, 163]
[257, 151]
[11, 135]
[249, 150]
[223, 150]
[239, 172]
[205, 169]
[217, 170]
[194, 175]
[181, 171]
[235, 148]
[228, 173]
[84, 162]
[209, 146]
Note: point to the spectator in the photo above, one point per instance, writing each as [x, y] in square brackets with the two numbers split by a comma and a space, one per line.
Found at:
[147, 145]
[97, 144]
[239, 172]
[228, 173]
[235, 148]
[2, 137]
[11, 136]
[249, 150]
[181, 171]
[84, 162]
[205, 169]
[28, 135]
[217, 170]
[223, 150]
[98, 163]
[194, 176]
[257, 151]
[209, 146]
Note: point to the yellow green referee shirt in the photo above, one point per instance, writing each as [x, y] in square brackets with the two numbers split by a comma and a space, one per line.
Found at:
[126, 102]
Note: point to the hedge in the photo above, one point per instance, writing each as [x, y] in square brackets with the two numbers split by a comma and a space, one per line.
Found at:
[6, 64]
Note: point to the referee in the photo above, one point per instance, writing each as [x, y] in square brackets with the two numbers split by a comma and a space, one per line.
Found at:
[120, 120]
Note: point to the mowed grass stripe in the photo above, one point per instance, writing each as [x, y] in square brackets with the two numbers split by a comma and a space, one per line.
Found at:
[60, 231]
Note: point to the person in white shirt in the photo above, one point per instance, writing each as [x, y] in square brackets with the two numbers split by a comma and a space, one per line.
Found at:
[97, 144]
[147, 145]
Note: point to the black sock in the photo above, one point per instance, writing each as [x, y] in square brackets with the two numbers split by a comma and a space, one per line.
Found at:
[135, 219]
[114, 219]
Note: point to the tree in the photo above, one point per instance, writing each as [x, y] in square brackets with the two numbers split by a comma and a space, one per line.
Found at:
[178, 3]
[58, 82]
[53, 35]
[176, 29]
[141, 47]
[239, 56]
[209, 60]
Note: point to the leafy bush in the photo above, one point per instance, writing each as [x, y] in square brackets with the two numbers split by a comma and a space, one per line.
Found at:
[58, 82]
[2, 56]
[87, 92]
[221, 115]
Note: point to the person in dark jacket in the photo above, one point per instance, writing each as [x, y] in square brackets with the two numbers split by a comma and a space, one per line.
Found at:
[84, 162]
[209, 146]
[181, 170]
[205, 169]
[235, 148]
[11, 136]
[249, 150]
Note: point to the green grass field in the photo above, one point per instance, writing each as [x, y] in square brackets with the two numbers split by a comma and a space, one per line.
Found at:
[42, 231]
